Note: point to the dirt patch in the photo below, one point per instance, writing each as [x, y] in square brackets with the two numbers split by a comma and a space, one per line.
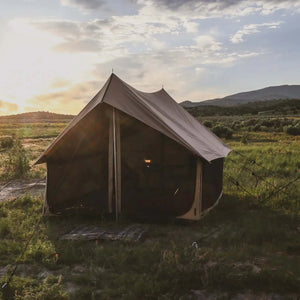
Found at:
[19, 187]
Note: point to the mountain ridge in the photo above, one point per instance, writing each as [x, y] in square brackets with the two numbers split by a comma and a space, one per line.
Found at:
[280, 92]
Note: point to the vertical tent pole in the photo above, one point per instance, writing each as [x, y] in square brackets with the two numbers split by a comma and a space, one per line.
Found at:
[115, 163]
[45, 204]
[110, 166]
[118, 156]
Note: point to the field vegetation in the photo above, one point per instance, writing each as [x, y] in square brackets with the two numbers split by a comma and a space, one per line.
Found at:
[248, 245]
[282, 107]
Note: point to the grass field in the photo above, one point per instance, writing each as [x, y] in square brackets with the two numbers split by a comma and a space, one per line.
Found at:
[249, 244]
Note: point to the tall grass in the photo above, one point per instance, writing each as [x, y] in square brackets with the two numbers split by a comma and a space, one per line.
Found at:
[267, 171]
[16, 164]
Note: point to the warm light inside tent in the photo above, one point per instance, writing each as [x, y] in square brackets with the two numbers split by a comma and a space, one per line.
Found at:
[147, 162]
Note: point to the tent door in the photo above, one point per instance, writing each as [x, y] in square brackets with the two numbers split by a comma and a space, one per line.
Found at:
[114, 164]
[196, 209]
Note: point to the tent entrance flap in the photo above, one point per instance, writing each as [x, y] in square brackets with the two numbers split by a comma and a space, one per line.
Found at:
[196, 209]
[114, 164]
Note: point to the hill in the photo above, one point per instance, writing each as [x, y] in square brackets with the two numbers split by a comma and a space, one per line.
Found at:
[36, 117]
[270, 107]
[282, 92]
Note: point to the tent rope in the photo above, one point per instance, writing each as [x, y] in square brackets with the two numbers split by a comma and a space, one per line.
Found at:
[254, 162]
[235, 182]
[260, 178]
[276, 190]
[6, 284]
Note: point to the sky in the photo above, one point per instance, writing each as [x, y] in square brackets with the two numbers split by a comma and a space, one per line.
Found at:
[55, 55]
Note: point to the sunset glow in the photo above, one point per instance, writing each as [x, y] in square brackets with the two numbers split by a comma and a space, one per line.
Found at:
[55, 57]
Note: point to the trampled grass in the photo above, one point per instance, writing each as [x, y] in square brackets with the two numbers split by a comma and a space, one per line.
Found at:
[250, 242]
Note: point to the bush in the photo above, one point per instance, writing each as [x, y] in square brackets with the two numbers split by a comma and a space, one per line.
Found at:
[256, 127]
[207, 124]
[17, 163]
[244, 139]
[235, 125]
[6, 142]
[222, 131]
[292, 130]
[4, 228]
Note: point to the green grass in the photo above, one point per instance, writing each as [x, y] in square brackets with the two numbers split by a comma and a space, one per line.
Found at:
[247, 243]
[241, 246]
[32, 130]
[35, 137]
[275, 162]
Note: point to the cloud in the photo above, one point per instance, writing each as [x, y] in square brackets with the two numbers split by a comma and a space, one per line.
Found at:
[207, 43]
[83, 45]
[59, 83]
[238, 37]
[7, 107]
[71, 99]
[113, 36]
[65, 28]
[179, 69]
[137, 47]
[202, 9]
[84, 5]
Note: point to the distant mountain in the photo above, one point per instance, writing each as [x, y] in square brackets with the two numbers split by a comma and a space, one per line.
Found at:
[282, 92]
[36, 117]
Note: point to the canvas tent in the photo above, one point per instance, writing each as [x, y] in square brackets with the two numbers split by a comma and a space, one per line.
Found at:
[134, 152]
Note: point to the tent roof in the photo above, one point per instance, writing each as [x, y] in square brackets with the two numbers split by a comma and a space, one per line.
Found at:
[157, 110]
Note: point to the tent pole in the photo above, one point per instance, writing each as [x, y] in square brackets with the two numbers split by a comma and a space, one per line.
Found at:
[110, 166]
[118, 155]
[115, 163]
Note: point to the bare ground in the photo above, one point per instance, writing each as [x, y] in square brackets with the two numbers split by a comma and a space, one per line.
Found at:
[18, 187]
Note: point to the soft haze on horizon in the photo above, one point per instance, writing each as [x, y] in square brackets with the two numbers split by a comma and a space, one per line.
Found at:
[55, 55]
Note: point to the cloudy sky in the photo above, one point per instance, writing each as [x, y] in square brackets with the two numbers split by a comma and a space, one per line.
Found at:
[55, 55]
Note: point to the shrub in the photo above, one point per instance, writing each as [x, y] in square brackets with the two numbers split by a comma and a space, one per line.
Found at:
[244, 139]
[250, 122]
[6, 142]
[256, 127]
[267, 123]
[17, 163]
[207, 124]
[292, 130]
[235, 125]
[4, 228]
[222, 131]
[264, 128]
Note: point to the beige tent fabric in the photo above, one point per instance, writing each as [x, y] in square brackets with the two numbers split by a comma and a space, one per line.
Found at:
[157, 110]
